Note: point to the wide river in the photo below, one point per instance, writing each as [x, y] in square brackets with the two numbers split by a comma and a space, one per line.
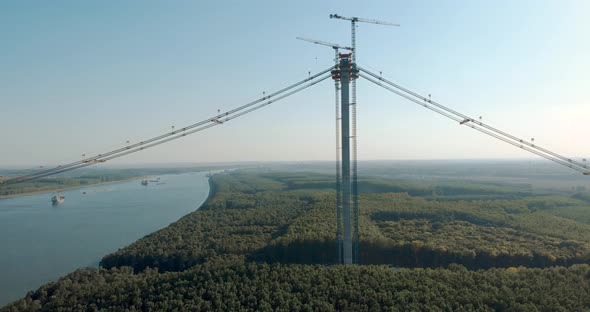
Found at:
[40, 242]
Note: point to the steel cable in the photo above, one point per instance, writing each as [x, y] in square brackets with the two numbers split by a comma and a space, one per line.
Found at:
[477, 127]
[467, 119]
[173, 135]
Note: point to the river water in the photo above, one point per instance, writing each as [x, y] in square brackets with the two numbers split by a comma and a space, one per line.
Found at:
[40, 242]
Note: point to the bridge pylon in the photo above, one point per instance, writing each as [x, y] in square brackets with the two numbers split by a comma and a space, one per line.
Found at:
[345, 73]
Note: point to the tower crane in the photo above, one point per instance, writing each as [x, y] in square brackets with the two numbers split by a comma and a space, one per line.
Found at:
[354, 136]
[364, 20]
[353, 21]
[333, 45]
[339, 182]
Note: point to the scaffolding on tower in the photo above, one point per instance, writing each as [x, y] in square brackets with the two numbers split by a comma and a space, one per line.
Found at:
[354, 134]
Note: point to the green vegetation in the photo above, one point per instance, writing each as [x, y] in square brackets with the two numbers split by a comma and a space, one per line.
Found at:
[230, 285]
[289, 218]
[266, 241]
[84, 178]
[52, 184]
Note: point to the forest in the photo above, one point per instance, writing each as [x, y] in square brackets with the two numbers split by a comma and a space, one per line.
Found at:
[265, 241]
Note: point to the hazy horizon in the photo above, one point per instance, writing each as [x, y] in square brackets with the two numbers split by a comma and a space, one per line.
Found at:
[123, 165]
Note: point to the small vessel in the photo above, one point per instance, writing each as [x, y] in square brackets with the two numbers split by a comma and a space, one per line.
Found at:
[57, 199]
[144, 182]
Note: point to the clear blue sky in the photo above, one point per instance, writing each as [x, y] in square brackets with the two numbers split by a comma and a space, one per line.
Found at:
[83, 77]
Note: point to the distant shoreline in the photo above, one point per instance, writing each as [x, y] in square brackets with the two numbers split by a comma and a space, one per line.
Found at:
[193, 176]
[212, 191]
[72, 187]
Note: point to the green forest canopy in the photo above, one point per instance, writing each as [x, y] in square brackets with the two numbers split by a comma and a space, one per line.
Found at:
[262, 241]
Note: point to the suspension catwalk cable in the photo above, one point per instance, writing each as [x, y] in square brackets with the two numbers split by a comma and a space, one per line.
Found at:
[467, 120]
[101, 159]
[479, 128]
[476, 127]
[94, 158]
[220, 121]
[210, 122]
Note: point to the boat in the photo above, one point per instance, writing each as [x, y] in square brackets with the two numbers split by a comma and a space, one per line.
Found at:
[144, 182]
[57, 199]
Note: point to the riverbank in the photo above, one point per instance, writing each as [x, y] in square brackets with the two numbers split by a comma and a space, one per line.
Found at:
[101, 224]
[62, 189]
[212, 190]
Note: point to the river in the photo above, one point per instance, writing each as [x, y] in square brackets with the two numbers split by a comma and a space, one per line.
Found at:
[40, 242]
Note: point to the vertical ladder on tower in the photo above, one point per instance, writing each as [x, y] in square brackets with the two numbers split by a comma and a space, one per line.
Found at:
[354, 135]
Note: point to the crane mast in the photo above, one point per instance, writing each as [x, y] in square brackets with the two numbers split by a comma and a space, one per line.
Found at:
[343, 185]
[354, 136]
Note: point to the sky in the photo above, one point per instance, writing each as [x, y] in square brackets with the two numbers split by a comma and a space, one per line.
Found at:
[81, 77]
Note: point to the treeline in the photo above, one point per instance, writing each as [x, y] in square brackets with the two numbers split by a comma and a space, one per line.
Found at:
[585, 196]
[230, 285]
[267, 218]
[244, 215]
[259, 242]
[432, 190]
[86, 177]
[50, 184]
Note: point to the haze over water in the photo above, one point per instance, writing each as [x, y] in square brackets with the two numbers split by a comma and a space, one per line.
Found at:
[41, 242]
